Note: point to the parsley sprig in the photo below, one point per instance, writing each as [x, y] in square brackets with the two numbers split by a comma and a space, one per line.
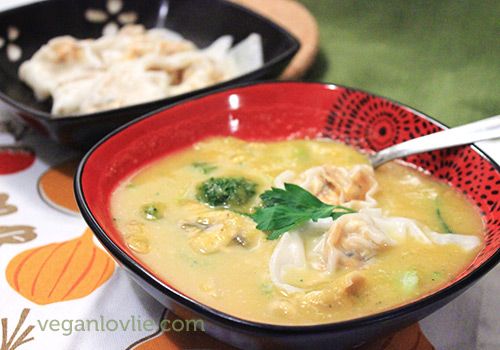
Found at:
[286, 209]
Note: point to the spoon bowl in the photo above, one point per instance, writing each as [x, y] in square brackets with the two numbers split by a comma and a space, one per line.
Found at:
[485, 129]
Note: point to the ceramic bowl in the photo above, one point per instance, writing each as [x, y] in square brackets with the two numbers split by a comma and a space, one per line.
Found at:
[25, 29]
[276, 111]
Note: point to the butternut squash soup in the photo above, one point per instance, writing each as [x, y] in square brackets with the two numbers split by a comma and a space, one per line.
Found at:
[294, 232]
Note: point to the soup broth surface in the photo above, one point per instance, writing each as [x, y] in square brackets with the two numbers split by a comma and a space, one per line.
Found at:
[236, 279]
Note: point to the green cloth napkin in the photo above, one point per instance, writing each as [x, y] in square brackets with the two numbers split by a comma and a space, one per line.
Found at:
[440, 57]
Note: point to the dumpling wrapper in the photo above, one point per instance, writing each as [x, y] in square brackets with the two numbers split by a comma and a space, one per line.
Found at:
[400, 228]
[77, 73]
[351, 187]
[248, 54]
[123, 84]
[288, 254]
[61, 60]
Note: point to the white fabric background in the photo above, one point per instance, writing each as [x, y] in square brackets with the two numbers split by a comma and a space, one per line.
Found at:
[469, 322]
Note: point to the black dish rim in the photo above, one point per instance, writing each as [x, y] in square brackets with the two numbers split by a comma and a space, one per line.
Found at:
[232, 321]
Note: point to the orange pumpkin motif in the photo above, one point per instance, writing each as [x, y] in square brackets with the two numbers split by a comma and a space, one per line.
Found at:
[56, 187]
[60, 271]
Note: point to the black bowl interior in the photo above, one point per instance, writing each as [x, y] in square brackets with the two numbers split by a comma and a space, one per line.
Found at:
[201, 21]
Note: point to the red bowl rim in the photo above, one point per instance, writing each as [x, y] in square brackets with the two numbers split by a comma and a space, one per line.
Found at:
[227, 319]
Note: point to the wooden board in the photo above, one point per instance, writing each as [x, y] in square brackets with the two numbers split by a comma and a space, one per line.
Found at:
[294, 17]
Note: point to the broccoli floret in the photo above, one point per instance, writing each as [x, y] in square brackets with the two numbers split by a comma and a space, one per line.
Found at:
[226, 191]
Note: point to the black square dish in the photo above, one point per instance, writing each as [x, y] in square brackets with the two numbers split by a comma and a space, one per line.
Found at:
[25, 29]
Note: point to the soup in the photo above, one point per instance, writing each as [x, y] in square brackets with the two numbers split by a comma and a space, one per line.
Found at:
[294, 232]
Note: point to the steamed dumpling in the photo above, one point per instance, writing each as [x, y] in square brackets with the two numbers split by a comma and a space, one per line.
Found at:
[401, 228]
[288, 254]
[336, 185]
[122, 84]
[351, 240]
[133, 66]
[62, 60]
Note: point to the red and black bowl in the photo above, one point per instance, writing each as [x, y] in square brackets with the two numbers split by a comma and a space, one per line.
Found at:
[25, 29]
[277, 111]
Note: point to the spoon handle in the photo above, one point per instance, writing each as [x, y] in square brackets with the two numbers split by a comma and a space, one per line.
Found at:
[462, 135]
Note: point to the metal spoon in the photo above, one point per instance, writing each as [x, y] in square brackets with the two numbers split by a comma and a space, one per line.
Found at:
[162, 14]
[485, 129]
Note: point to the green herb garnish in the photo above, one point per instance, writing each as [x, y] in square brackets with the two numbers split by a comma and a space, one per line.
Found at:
[226, 191]
[266, 288]
[205, 168]
[442, 222]
[286, 209]
[436, 275]
[152, 211]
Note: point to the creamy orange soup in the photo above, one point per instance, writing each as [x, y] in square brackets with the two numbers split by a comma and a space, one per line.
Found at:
[394, 247]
